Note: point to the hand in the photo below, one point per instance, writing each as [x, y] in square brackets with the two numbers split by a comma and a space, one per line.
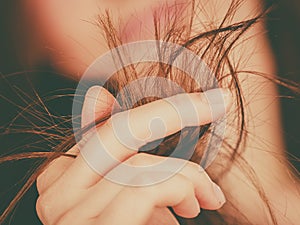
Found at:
[71, 192]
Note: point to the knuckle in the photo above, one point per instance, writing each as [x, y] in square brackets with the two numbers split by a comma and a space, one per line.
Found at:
[40, 183]
[43, 209]
[183, 188]
[46, 178]
[43, 182]
[46, 209]
[196, 168]
[184, 184]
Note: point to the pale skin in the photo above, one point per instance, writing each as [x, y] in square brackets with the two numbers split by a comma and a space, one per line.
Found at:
[57, 30]
[94, 200]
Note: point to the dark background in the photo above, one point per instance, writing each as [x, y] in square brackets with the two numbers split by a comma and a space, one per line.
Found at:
[283, 26]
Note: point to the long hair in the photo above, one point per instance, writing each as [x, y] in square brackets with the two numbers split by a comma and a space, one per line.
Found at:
[213, 44]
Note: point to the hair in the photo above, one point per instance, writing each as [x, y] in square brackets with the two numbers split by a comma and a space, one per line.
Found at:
[214, 45]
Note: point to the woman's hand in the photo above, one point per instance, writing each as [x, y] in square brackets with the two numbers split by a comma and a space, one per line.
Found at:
[73, 192]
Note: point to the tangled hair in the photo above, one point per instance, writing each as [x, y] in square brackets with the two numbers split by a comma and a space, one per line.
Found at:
[213, 44]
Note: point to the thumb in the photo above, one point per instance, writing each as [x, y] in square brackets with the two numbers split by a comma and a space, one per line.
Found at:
[98, 103]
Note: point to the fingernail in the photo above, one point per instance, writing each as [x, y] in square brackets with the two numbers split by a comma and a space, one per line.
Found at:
[219, 194]
[93, 92]
[91, 97]
[88, 109]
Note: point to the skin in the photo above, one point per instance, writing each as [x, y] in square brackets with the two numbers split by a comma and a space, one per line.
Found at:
[94, 200]
[72, 46]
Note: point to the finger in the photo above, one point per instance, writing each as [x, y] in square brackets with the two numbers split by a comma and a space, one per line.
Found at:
[115, 140]
[176, 191]
[158, 216]
[54, 170]
[98, 103]
[162, 216]
[208, 194]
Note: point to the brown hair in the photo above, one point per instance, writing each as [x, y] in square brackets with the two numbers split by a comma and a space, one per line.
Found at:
[214, 46]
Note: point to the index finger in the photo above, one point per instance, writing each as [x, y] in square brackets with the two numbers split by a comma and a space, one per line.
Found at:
[125, 132]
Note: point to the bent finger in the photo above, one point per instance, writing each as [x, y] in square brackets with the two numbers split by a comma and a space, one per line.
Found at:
[141, 201]
[177, 192]
[208, 194]
[125, 132]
